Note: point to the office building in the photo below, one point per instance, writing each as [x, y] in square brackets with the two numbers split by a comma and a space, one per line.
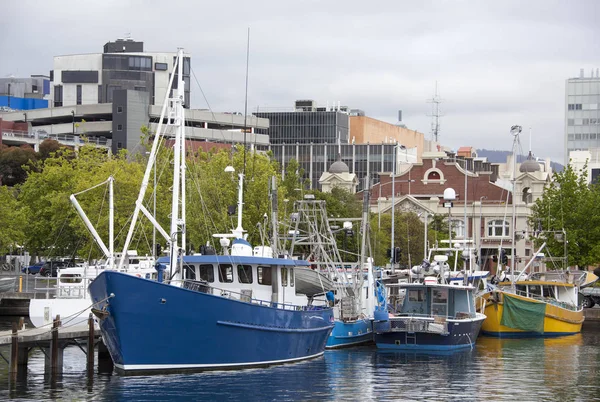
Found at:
[85, 79]
[582, 113]
[24, 93]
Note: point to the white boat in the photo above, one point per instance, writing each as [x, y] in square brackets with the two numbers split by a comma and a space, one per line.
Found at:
[72, 301]
[311, 282]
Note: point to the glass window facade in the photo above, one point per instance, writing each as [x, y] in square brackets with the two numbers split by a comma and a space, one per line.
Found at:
[315, 159]
[582, 114]
[306, 127]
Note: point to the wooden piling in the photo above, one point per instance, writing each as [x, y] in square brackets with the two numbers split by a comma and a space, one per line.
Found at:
[14, 351]
[56, 352]
[90, 347]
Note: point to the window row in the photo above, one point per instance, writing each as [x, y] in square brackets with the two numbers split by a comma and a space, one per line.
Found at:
[583, 122]
[574, 106]
[583, 137]
[243, 274]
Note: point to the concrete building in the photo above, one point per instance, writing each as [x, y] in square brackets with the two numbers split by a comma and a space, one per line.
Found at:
[315, 135]
[582, 113]
[24, 93]
[86, 79]
[590, 160]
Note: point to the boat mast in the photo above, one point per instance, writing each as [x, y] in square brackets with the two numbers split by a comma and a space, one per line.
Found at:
[274, 215]
[139, 204]
[178, 199]
[515, 131]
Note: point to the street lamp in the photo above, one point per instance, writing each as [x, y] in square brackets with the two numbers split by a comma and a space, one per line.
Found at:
[483, 197]
[73, 120]
[449, 197]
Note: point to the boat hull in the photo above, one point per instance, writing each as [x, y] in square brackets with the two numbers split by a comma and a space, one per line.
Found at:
[558, 321]
[72, 311]
[154, 327]
[352, 333]
[460, 333]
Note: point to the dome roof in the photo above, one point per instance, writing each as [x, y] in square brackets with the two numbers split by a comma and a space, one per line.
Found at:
[530, 165]
[338, 167]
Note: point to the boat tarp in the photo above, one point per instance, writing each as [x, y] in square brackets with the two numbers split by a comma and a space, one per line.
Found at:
[523, 314]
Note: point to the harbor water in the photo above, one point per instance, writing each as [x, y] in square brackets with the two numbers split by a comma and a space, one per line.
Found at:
[566, 368]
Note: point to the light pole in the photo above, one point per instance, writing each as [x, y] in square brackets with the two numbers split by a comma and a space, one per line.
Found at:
[449, 197]
[483, 197]
[73, 121]
[393, 206]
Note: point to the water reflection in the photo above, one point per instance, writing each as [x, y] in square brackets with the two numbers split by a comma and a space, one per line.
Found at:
[496, 369]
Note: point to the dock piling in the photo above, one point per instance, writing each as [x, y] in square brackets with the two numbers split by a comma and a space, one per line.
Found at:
[90, 347]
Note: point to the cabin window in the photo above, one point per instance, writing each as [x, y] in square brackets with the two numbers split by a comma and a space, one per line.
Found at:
[439, 302]
[225, 273]
[549, 292]
[521, 290]
[190, 272]
[416, 295]
[291, 276]
[207, 272]
[264, 275]
[283, 276]
[244, 273]
[535, 291]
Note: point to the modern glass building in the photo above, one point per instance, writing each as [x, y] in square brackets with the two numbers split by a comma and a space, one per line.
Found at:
[582, 113]
[316, 158]
[307, 123]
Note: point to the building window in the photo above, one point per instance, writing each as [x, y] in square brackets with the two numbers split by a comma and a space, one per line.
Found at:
[99, 93]
[79, 94]
[119, 127]
[58, 95]
[161, 66]
[458, 227]
[527, 195]
[570, 122]
[433, 176]
[119, 109]
[119, 145]
[498, 228]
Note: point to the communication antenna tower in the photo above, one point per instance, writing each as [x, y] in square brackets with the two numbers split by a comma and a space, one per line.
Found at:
[435, 114]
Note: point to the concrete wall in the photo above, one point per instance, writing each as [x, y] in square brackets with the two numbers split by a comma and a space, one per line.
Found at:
[365, 129]
[127, 122]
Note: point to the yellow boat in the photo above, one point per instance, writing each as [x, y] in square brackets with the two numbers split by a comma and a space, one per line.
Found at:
[546, 305]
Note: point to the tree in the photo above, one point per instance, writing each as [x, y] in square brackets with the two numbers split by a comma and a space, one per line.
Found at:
[12, 221]
[570, 204]
[14, 162]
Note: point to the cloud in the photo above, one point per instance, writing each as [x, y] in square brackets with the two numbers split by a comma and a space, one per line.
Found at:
[496, 63]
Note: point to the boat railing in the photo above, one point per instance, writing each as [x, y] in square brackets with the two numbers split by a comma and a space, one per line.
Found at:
[420, 323]
[245, 295]
[549, 300]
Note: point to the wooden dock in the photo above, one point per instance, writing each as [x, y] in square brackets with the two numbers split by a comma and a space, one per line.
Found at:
[52, 342]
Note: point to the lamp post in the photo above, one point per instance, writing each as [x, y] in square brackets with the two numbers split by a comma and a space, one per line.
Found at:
[393, 206]
[449, 197]
[73, 120]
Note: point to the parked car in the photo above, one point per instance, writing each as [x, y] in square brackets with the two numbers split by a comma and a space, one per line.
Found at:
[33, 269]
[591, 296]
[506, 276]
[50, 268]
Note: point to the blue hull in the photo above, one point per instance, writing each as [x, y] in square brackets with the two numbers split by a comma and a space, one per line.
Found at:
[345, 334]
[461, 334]
[154, 327]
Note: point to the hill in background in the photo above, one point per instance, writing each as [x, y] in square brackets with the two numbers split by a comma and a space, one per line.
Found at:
[494, 156]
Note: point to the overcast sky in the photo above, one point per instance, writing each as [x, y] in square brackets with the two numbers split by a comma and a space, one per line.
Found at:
[497, 63]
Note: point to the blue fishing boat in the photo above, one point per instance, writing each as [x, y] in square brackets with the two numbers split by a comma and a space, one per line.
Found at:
[433, 316]
[236, 310]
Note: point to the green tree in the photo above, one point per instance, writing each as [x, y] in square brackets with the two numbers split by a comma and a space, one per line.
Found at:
[12, 221]
[570, 204]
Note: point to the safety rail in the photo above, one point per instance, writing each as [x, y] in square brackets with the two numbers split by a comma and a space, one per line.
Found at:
[245, 296]
[70, 138]
[437, 325]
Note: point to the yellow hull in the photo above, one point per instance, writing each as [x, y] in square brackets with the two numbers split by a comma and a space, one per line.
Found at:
[558, 321]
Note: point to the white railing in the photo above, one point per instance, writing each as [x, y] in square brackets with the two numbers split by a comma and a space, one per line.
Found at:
[64, 138]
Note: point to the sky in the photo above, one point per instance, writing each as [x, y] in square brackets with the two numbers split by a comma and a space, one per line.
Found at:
[496, 63]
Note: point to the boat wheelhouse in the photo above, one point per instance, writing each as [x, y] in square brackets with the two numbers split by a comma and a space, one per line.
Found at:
[432, 317]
